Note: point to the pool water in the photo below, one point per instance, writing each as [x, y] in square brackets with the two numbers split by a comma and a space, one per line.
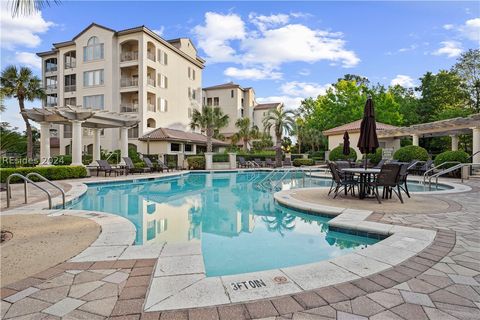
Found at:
[240, 227]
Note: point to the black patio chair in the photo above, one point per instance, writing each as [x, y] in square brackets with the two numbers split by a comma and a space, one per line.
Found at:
[130, 167]
[104, 166]
[287, 162]
[380, 164]
[269, 163]
[162, 166]
[258, 162]
[402, 178]
[242, 163]
[340, 181]
[149, 164]
[388, 179]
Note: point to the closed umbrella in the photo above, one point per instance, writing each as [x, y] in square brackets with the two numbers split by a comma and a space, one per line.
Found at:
[346, 143]
[368, 141]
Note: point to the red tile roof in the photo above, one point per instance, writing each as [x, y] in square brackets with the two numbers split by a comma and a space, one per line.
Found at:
[355, 126]
[166, 134]
[265, 106]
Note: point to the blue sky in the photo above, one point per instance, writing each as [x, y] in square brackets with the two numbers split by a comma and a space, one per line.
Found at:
[285, 50]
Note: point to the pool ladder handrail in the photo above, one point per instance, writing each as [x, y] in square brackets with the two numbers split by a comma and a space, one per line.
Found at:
[448, 170]
[426, 174]
[25, 181]
[50, 183]
[270, 178]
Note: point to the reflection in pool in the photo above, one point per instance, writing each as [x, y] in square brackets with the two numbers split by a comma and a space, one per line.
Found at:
[241, 228]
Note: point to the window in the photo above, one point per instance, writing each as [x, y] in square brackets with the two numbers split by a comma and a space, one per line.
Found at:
[51, 100]
[93, 50]
[133, 133]
[67, 131]
[93, 78]
[241, 112]
[163, 81]
[188, 147]
[231, 93]
[242, 102]
[163, 105]
[70, 60]
[70, 82]
[51, 65]
[175, 147]
[51, 83]
[216, 101]
[189, 73]
[193, 74]
[94, 102]
[209, 101]
[194, 94]
[70, 101]
[162, 57]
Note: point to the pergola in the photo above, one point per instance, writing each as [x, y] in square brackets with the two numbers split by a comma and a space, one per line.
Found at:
[79, 117]
[452, 127]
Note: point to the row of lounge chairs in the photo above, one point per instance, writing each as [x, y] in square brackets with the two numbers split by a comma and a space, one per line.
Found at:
[129, 167]
[257, 162]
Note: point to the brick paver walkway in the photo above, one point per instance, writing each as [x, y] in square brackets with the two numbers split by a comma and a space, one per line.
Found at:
[442, 282]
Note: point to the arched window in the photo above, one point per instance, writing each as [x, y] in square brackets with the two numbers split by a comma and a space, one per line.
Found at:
[93, 50]
[151, 123]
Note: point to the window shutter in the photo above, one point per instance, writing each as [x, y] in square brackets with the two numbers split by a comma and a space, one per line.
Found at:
[193, 74]
[165, 58]
[159, 104]
[166, 82]
[166, 105]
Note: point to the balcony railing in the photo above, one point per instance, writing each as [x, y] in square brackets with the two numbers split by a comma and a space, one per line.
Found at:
[70, 65]
[51, 69]
[151, 56]
[129, 56]
[51, 104]
[70, 88]
[129, 107]
[151, 82]
[128, 82]
[51, 87]
[151, 107]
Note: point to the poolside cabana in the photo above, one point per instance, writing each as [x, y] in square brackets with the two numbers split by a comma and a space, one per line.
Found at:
[79, 118]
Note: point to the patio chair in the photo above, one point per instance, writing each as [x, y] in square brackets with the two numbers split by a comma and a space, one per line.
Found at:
[341, 182]
[258, 161]
[162, 166]
[402, 178]
[242, 163]
[104, 166]
[269, 163]
[380, 164]
[388, 179]
[130, 167]
[149, 164]
[287, 162]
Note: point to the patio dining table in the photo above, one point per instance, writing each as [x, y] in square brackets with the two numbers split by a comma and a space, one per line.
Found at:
[365, 177]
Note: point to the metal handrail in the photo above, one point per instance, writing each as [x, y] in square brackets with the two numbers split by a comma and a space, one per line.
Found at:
[471, 157]
[25, 181]
[425, 175]
[50, 183]
[458, 166]
[413, 165]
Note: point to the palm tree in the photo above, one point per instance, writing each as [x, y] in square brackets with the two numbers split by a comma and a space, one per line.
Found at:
[281, 121]
[209, 120]
[28, 7]
[246, 133]
[22, 85]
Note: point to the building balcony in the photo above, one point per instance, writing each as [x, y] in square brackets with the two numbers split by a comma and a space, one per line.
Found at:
[151, 56]
[51, 69]
[151, 107]
[129, 107]
[151, 82]
[70, 65]
[70, 88]
[50, 105]
[129, 56]
[128, 82]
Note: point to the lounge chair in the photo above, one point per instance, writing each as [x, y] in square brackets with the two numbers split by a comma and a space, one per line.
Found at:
[287, 162]
[269, 163]
[149, 164]
[258, 162]
[104, 166]
[388, 179]
[130, 167]
[242, 163]
[341, 182]
[161, 166]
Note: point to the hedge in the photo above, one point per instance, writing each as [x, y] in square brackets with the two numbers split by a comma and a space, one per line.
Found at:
[460, 156]
[375, 157]
[220, 157]
[410, 153]
[196, 162]
[50, 172]
[303, 162]
[337, 154]
[262, 155]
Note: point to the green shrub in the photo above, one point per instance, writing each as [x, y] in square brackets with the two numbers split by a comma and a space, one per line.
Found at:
[51, 172]
[196, 162]
[139, 164]
[220, 157]
[337, 154]
[410, 153]
[460, 156]
[375, 157]
[303, 162]
[319, 155]
[262, 155]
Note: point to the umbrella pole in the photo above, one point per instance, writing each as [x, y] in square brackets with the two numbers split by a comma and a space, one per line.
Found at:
[365, 161]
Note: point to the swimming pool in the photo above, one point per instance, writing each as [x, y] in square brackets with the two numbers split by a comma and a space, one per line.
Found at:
[240, 227]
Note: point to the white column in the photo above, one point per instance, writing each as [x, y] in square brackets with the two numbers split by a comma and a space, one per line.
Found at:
[232, 158]
[476, 144]
[123, 144]
[96, 146]
[415, 139]
[77, 143]
[454, 142]
[208, 160]
[45, 144]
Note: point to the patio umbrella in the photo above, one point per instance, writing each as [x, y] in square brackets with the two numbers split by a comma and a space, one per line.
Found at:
[368, 141]
[346, 143]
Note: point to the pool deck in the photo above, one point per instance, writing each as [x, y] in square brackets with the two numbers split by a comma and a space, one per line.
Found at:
[428, 268]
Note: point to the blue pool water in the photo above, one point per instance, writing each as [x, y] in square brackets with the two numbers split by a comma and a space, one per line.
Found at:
[241, 228]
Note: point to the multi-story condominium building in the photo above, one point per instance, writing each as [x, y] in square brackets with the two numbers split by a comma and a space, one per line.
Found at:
[132, 71]
[238, 102]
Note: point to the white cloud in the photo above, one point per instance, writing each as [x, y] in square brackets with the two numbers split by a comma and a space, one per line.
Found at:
[288, 101]
[265, 22]
[403, 80]
[21, 31]
[304, 72]
[304, 89]
[214, 37]
[409, 48]
[449, 48]
[28, 59]
[471, 29]
[448, 26]
[159, 31]
[252, 73]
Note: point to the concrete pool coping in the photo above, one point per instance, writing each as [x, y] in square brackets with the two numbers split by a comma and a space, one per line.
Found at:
[179, 280]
